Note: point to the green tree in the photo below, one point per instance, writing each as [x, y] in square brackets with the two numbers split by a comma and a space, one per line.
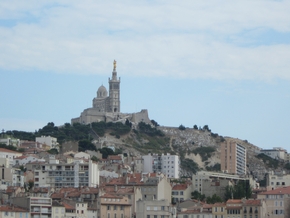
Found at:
[195, 127]
[213, 199]
[181, 127]
[241, 190]
[197, 195]
[154, 123]
[94, 158]
[86, 145]
[105, 151]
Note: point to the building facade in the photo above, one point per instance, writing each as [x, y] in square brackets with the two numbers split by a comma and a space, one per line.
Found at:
[167, 164]
[107, 106]
[233, 158]
[58, 175]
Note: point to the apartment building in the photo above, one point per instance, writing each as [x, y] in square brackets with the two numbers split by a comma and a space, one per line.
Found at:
[11, 176]
[155, 209]
[275, 153]
[277, 180]
[47, 140]
[181, 192]
[209, 183]
[277, 202]
[233, 158]
[167, 164]
[58, 175]
[9, 154]
[113, 206]
[7, 211]
[39, 207]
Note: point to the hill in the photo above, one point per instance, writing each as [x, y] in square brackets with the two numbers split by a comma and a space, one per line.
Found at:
[198, 148]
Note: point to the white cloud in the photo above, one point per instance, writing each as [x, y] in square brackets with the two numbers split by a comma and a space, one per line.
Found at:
[185, 39]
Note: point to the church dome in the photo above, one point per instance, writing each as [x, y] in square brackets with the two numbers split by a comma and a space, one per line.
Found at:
[102, 92]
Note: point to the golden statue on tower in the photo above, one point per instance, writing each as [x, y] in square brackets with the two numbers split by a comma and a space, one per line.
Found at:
[115, 64]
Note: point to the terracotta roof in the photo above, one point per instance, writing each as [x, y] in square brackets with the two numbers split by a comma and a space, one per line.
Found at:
[234, 201]
[20, 158]
[12, 209]
[278, 191]
[114, 157]
[8, 151]
[110, 196]
[253, 202]
[180, 187]
[68, 206]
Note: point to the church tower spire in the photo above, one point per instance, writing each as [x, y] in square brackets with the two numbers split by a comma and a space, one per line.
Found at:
[114, 90]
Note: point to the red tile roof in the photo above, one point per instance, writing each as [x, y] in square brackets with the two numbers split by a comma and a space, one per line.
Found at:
[8, 151]
[278, 191]
[12, 209]
[114, 157]
[180, 187]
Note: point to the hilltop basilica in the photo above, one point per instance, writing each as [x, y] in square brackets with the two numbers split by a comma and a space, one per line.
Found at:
[107, 108]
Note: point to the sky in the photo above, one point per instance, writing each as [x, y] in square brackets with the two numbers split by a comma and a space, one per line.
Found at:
[225, 64]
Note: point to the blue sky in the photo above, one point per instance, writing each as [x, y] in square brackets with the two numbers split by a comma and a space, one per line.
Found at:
[224, 64]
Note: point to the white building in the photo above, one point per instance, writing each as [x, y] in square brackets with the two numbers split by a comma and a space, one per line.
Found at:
[47, 140]
[23, 160]
[275, 153]
[9, 154]
[9, 141]
[167, 164]
[58, 175]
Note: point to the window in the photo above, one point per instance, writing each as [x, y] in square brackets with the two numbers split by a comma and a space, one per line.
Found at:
[108, 207]
[162, 208]
[155, 208]
[148, 216]
[115, 207]
[121, 207]
[148, 207]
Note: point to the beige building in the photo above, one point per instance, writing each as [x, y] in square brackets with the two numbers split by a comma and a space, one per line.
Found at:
[155, 209]
[219, 210]
[277, 202]
[181, 192]
[13, 212]
[233, 158]
[113, 206]
[277, 180]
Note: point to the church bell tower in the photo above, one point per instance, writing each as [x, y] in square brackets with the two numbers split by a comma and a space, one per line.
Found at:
[114, 91]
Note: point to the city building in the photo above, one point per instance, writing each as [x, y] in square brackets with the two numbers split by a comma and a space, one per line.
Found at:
[77, 174]
[275, 153]
[13, 212]
[113, 206]
[209, 183]
[39, 207]
[181, 192]
[277, 180]
[277, 202]
[9, 154]
[233, 158]
[47, 140]
[155, 209]
[10, 141]
[167, 164]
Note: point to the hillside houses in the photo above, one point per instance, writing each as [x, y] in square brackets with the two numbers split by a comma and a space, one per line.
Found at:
[72, 185]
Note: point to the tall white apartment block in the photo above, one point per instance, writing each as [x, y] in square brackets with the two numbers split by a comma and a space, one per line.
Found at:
[167, 164]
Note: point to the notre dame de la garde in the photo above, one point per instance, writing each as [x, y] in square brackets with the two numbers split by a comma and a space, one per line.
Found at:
[107, 108]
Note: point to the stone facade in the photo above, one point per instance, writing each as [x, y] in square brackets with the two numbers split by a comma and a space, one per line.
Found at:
[107, 106]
